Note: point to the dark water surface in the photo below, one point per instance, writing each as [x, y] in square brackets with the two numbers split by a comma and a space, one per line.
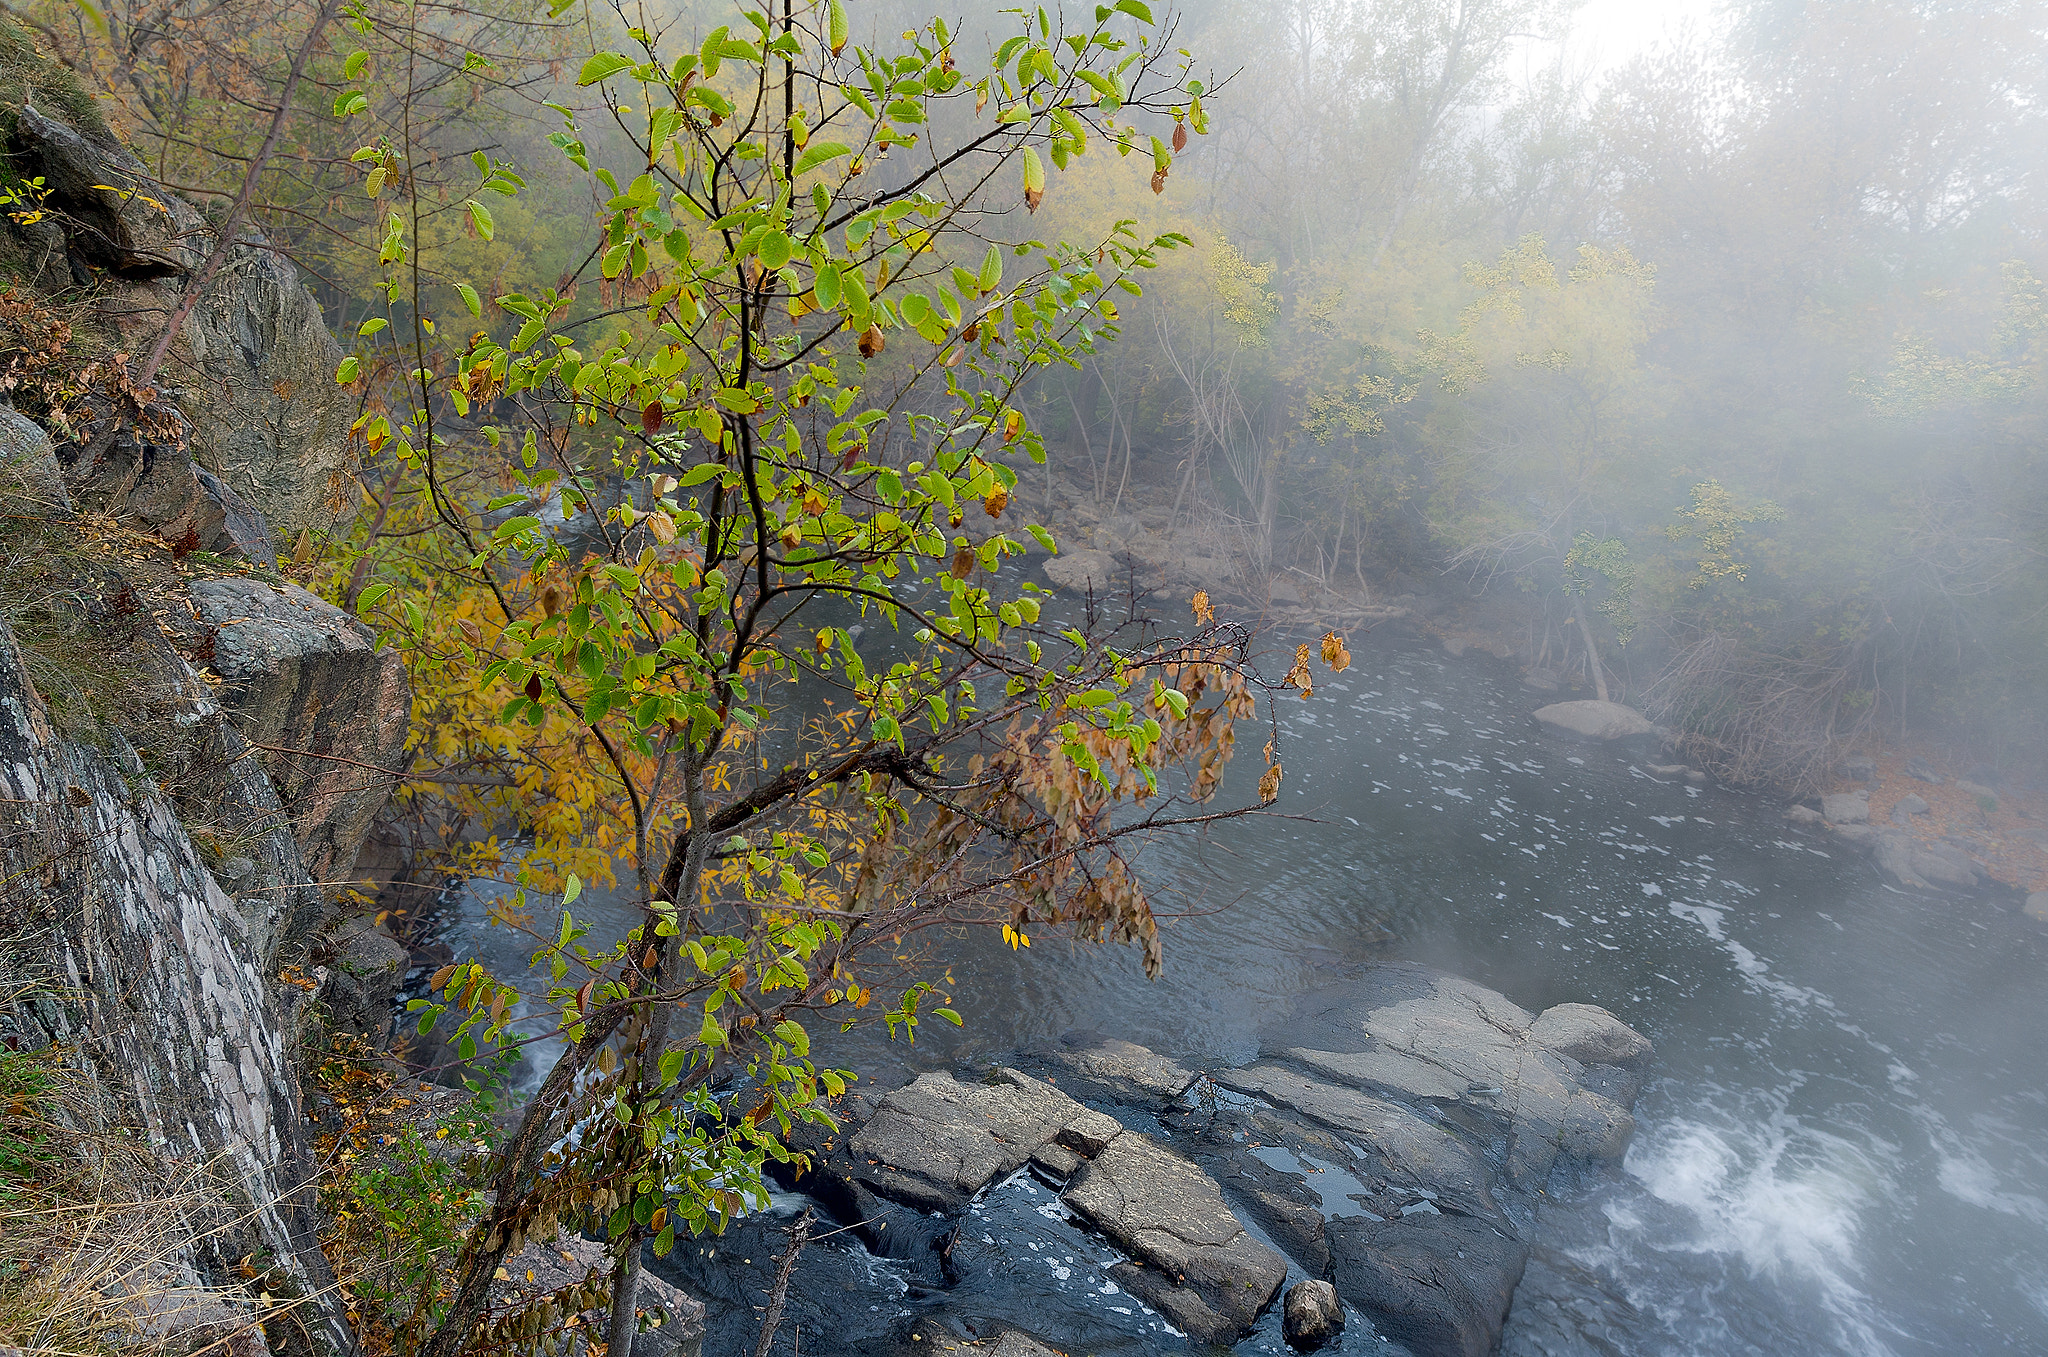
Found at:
[1845, 1145]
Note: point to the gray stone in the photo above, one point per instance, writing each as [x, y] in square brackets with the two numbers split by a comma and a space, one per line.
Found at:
[1845, 808]
[1201, 1267]
[29, 471]
[1926, 867]
[1089, 1132]
[1540, 680]
[1589, 1035]
[958, 1138]
[570, 1259]
[1667, 769]
[1922, 769]
[1311, 1315]
[1860, 837]
[1118, 1070]
[1058, 1162]
[1441, 1285]
[365, 966]
[2036, 907]
[1454, 646]
[1080, 571]
[1978, 791]
[1285, 593]
[1862, 768]
[1589, 720]
[1403, 1149]
[305, 679]
[1912, 804]
[1016, 1343]
[1419, 1034]
[1803, 815]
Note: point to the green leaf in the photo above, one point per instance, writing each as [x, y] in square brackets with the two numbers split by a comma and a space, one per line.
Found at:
[349, 103]
[470, 299]
[602, 67]
[817, 153]
[571, 888]
[346, 373]
[353, 67]
[481, 215]
[371, 597]
[774, 250]
[1135, 8]
[991, 269]
[697, 475]
[1044, 537]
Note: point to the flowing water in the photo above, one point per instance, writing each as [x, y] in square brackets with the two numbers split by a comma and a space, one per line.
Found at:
[1845, 1147]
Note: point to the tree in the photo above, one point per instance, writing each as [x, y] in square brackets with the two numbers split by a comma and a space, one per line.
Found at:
[620, 544]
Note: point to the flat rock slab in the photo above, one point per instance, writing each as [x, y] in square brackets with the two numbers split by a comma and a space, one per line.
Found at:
[958, 1138]
[1591, 720]
[1415, 1033]
[1845, 808]
[1116, 1069]
[1440, 1285]
[1202, 1269]
[1406, 1151]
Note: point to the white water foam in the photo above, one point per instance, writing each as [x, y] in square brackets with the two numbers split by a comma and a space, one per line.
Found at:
[1784, 1199]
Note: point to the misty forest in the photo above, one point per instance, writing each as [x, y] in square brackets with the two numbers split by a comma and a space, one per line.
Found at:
[743, 678]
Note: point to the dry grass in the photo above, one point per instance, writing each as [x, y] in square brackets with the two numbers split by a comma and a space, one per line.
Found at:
[93, 1229]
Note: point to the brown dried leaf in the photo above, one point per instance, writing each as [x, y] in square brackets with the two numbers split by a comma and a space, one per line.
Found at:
[1159, 181]
[1204, 612]
[963, 563]
[1269, 786]
[871, 341]
[1180, 137]
[993, 503]
[650, 417]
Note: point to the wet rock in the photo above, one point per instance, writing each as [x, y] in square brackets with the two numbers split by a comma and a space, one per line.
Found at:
[1803, 815]
[305, 679]
[1057, 1161]
[1418, 1034]
[2036, 907]
[1081, 571]
[1616, 1083]
[1202, 1269]
[1667, 769]
[945, 1141]
[1454, 646]
[1863, 838]
[1920, 768]
[1100, 1066]
[1590, 720]
[1283, 1204]
[1926, 867]
[1311, 1315]
[1440, 1285]
[1589, 1035]
[1845, 808]
[1404, 1151]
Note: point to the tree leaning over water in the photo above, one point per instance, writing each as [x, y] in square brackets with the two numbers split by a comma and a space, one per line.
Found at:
[613, 540]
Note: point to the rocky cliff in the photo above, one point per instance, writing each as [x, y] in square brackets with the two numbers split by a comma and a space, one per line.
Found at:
[191, 748]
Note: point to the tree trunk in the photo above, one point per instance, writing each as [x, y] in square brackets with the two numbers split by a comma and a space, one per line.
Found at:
[1592, 651]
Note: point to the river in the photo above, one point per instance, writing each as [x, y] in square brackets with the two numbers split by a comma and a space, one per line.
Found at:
[1844, 1148]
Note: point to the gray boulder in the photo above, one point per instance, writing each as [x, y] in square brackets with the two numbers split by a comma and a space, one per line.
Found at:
[1912, 805]
[1112, 1068]
[1016, 1343]
[305, 679]
[2036, 907]
[1920, 768]
[1201, 1269]
[1424, 1036]
[1861, 767]
[1977, 791]
[1080, 571]
[1589, 720]
[1589, 1035]
[1803, 815]
[1845, 808]
[1311, 1315]
[1925, 866]
[1440, 1285]
[365, 966]
[28, 465]
[939, 1142]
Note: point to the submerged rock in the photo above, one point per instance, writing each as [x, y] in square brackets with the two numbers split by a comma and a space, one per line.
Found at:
[939, 1141]
[1311, 1315]
[1203, 1271]
[1592, 720]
